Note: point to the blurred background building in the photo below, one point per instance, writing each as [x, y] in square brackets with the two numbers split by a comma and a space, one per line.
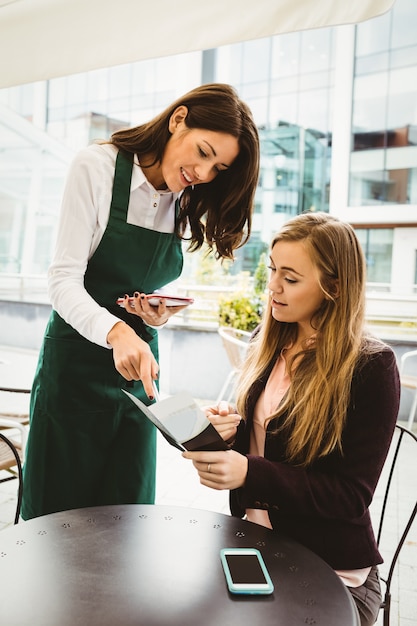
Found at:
[336, 110]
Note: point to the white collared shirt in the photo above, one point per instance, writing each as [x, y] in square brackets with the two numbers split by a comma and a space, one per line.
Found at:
[84, 215]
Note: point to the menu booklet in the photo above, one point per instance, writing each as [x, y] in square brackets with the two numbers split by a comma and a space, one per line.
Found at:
[182, 422]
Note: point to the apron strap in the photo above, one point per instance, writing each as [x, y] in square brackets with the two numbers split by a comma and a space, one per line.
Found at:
[121, 185]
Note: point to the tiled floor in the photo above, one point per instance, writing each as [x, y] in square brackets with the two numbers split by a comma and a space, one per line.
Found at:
[177, 483]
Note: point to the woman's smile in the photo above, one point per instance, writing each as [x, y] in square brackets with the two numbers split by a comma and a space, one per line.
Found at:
[194, 156]
[188, 179]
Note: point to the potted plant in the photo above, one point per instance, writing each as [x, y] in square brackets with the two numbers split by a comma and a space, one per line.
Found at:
[244, 310]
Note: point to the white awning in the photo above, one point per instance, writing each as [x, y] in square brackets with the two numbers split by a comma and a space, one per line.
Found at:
[42, 39]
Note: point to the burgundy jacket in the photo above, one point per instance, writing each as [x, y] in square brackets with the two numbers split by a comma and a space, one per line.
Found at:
[325, 506]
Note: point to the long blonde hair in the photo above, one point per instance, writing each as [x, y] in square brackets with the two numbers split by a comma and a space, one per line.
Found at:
[314, 410]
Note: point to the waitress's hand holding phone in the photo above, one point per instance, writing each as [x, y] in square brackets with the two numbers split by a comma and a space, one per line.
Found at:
[154, 309]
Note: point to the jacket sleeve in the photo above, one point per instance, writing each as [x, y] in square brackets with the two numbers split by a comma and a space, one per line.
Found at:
[339, 485]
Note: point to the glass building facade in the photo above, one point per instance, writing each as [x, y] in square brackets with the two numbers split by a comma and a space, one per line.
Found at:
[336, 110]
[384, 120]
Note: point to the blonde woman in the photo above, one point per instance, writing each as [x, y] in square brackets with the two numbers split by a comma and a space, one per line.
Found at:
[316, 408]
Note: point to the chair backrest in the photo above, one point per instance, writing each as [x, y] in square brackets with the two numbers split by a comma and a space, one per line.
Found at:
[408, 369]
[10, 462]
[14, 404]
[394, 460]
[235, 342]
[406, 358]
[408, 377]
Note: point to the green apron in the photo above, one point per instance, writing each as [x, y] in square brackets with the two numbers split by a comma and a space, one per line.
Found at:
[88, 444]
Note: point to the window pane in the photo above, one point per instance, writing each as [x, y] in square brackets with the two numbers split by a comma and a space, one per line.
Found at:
[285, 55]
[370, 107]
[402, 98]
[403, 22]
[256, 60]
[383, 187]
[316, 50]
[377, 246]
[373, 35]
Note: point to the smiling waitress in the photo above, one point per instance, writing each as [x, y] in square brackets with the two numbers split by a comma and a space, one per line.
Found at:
[125, 209]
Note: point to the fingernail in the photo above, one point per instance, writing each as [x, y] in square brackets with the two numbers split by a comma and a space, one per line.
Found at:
[136, 294]
[142, 297]
[150, 397]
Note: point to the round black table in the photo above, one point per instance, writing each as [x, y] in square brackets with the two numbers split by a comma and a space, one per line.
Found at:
[147, 565]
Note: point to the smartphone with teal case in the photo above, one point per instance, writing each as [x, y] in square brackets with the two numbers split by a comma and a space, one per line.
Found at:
[245, 571]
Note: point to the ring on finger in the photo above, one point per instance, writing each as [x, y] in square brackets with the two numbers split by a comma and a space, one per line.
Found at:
[208, 467]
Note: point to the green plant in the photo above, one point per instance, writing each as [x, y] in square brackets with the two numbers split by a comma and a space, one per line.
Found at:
[244, 311]
[260, 278]
[206, 269]
[241, 311]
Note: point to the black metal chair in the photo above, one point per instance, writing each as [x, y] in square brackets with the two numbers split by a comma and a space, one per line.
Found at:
[403, 434]
[14, 419]
[11, 411]
[10, 462]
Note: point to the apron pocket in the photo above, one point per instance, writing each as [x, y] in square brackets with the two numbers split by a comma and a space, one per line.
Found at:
[77, 375]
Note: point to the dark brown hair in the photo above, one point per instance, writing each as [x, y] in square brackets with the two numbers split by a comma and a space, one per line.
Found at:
[220, 212]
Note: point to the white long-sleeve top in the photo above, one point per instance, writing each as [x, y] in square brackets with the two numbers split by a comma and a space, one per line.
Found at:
[84, 215]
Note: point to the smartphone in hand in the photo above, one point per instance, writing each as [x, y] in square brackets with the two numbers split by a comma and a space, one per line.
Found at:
[155, 298]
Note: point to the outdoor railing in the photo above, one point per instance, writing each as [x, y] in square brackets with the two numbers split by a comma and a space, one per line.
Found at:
[384, 307]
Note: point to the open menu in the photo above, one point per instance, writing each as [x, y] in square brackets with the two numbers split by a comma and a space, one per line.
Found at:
[182, 422]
